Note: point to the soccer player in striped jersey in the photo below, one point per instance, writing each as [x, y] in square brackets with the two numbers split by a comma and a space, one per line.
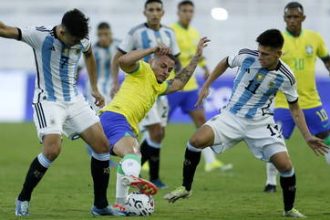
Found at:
[58, 107]
[104, 50]
[187, 38]
[143, 36]
[248, 116]
[301, 49]
[143, 84]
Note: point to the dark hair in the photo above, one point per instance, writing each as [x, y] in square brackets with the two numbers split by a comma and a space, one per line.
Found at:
[152, 1]
[103, 25]
[292, 5]
[185, 2]
[76, 23]
[271, 38]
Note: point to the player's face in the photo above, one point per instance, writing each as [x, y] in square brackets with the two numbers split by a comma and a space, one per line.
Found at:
[162, 67]
[268, 56]
[104, 36]
[293, 18]
[154, 13]
[186, 13]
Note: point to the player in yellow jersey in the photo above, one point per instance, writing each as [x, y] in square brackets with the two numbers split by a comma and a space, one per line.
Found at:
[143, 84]
[187, 38]
[300, 52]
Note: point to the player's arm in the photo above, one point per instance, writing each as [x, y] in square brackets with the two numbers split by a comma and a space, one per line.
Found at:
[115, 72]
[181, 79]
[313, 142]
[221, 67]
[9, 32]
[91, 70]
[326, 61]
[129, 62]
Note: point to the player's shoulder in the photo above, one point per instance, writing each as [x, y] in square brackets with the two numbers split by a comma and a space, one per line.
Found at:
[136, 28]
[167, 28]
[247, 51]
[285, 70]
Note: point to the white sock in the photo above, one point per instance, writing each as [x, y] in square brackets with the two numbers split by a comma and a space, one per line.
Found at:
[271, 174]
[130, 165]
[209, 155]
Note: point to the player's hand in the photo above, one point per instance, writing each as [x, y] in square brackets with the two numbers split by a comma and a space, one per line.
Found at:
[201, 44]
[162, 49]
[202, 95]
[317, 145]
[99, 99]
[114, 90]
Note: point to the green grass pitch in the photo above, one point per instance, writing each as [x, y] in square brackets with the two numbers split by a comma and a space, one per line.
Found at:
[66, 191]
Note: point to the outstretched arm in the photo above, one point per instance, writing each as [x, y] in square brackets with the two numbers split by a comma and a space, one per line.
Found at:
[184, 75]
[314, 143]
[129, 61]
[9, 32]
[115, 73]
[218, 71]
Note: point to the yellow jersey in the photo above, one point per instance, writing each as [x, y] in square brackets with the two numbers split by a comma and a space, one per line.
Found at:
[136, 95]
[187, 39]
[300, 53]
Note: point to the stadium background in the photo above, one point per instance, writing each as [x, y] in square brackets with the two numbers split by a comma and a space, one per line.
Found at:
[66, 191]
[246, 18]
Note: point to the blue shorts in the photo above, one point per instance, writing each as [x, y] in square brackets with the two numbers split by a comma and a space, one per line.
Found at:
[183, 99]
[115, 127]
[316, 119]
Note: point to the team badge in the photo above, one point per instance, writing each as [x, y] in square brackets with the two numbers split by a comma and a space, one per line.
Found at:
[260, 77]
[309, 50]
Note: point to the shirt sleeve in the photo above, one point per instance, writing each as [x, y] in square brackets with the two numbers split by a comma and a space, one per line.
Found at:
[322, 50]
[290, 91]
[32, 36]
[86, 44]
[127, 44]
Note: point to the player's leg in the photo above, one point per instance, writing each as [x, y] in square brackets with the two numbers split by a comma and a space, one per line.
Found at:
[318, 123]
[83, 121]
[48, 117]
[213, 133]
[284, 119]
[265, 141]
[128, 170]
[283, 164]
[152, 143]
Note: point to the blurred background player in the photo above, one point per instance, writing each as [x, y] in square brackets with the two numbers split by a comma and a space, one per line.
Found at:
[104, 50]
[187, 38]
[58, 107]
[248, 117]
[300, 51]
[143, 36]
[144, 82]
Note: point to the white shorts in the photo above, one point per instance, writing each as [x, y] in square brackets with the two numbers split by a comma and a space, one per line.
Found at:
[60, 118]
[158, 114]
[262, 136]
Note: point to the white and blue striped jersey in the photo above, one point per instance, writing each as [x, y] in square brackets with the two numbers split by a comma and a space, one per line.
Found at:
[143, 37]
[103, 57]
[255, 87]
[56, 64]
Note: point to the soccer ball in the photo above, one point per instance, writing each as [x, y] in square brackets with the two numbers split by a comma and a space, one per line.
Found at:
[139, 204]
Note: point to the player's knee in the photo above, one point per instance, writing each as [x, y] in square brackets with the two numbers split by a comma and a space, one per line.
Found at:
[52, 151]
[197, 141]
[285, 167]
[101, 146]
[156, 135]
